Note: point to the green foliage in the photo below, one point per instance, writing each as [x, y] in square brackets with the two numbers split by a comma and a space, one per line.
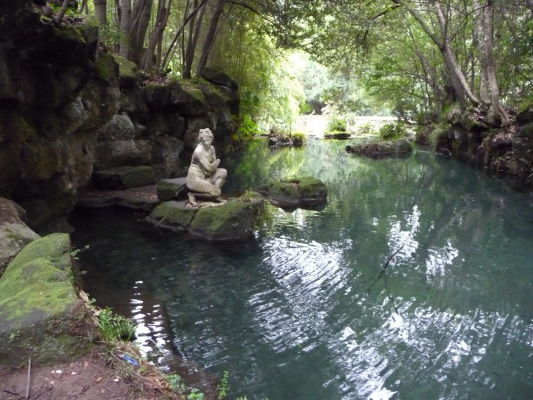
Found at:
[336, 123]
[223, 386]
[195, 395]
[115, 327]
[175, 383]
[247, 127]
[393, 131]
[366, 129]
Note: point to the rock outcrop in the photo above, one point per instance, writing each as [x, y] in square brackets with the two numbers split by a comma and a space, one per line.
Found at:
[233, 220]
[472, 137]
[305, 192]
[67, 110]
[14, 233]
[42, 316]
[384, 149]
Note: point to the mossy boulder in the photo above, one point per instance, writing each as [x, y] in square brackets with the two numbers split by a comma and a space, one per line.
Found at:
[171, 189]
[304, 192]
[41, 315]
[128, 71]
[172, 215]
[218, 77]
[107, 70]
[14, 234]
[384, 149]
[124, 177]
[233, 220]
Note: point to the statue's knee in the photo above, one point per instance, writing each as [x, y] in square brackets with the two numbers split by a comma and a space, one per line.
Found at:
[223, 173]
[217, 192]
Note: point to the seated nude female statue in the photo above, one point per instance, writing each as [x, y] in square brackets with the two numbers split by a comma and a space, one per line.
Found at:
[204, 178]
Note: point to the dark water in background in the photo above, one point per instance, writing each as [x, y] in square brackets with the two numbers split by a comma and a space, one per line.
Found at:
[302, 312]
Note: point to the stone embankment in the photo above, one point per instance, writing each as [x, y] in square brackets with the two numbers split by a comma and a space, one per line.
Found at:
[68, 110]
[471, 136]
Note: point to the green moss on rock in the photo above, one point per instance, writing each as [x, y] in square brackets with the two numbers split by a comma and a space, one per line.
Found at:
[303, 192]
[233, 220]
[173, 215]
[41, 314]
[127, 68]
[106, 68]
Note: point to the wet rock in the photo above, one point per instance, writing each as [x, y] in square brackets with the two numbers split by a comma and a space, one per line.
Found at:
[305, 192]
[277, 139]
[124, 177]
[171, 189]
[395, 148]
[14, 233]
[233, 220]
[41, 314]
[172, 215]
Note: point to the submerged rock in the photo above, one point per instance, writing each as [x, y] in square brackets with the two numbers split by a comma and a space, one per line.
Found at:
[233, 220]
[14, 234]
[394, 148]
[305, 192]
[42, 317]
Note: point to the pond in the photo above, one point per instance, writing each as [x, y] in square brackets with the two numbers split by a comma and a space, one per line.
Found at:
[311, 309]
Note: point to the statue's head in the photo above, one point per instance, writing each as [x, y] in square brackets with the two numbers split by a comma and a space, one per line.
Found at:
[205, 135]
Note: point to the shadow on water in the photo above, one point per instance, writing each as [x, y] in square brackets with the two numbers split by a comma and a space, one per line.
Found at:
[290, 315]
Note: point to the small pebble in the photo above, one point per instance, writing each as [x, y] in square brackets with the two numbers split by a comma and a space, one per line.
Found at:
[115, 380]
[57, 371]
[73, 373]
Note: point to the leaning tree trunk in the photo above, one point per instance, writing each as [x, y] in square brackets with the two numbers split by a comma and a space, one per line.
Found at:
[140, 18]
[100, 9]
[156, 36]
[125, 23]
[211, 36]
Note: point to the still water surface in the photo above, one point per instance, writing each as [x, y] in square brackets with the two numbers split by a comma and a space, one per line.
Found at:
[304, 313]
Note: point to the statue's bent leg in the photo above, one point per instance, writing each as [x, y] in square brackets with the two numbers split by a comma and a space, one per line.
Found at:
[204, 187]
[220, 177]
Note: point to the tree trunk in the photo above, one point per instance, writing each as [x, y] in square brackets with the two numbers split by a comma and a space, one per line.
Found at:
[100, 9]
[125, 23]
[140, 15]
[156, 36]
[489, 62]
[191, 46]
[211, 36]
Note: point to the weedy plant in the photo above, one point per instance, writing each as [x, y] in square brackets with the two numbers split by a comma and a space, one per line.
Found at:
[223, 386]
[115, 327]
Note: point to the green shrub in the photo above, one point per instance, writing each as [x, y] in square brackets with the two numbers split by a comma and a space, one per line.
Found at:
[393, 131]
[366, 129]
[115, 327]
[336, 124]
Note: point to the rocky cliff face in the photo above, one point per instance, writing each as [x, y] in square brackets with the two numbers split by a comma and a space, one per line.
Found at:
[66, 110]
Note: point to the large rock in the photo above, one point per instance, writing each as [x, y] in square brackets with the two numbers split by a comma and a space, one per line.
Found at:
[393, 148]
[305, 192]
[172, 215]
[124, 177]
[171, 189]
[14, 234]
[41, 315]
[218, 77]
[119, 127]
[233, 220]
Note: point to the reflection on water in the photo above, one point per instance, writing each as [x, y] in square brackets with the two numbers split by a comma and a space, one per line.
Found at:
[305, 311]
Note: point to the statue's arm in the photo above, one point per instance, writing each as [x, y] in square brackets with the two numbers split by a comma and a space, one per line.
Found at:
[203, 160]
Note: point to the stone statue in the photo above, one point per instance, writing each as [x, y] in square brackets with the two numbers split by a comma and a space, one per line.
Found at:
[204, 178]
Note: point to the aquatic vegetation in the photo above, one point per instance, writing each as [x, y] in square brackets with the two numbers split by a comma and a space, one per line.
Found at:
[114, 327]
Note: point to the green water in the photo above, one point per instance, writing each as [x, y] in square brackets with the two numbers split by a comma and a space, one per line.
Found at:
[303, 312]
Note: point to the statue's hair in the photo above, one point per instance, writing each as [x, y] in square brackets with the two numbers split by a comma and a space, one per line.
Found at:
[203, 133]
